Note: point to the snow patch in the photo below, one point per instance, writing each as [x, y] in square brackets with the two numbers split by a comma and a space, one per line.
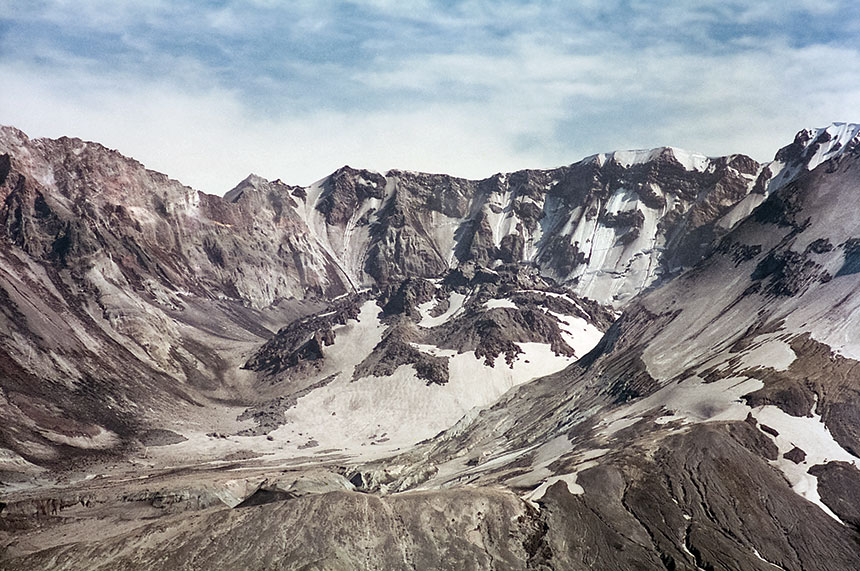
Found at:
[690, 401]
[568, 479]
[401, 409]
[581, 335]
[841, 134]
[455, 305]
[813, 437]
[689, 160]
[774, 353]
[500, 304]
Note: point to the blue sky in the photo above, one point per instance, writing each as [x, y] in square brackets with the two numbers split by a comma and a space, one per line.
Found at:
[210, 91]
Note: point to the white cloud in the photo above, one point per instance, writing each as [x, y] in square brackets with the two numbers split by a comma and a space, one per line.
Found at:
[208, 140]
[93, 14]
[456, 97]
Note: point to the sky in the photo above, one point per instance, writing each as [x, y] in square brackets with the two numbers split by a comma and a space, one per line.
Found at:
[210, 91]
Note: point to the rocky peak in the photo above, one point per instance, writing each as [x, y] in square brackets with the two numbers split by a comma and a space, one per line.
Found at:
[384, 228]
[345, 190]
[69, 200]
[12, 136]
[810, 148]
[252, 182]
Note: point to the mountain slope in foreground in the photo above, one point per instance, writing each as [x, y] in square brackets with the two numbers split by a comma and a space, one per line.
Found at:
[713, 426]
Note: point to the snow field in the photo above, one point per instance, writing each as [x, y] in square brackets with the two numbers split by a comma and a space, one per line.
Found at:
[811, 435]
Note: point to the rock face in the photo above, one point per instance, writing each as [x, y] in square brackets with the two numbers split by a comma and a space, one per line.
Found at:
[672, 442]
[609, 225]
[304, 340]
[120, 288]
[411, 371]
[67, 201]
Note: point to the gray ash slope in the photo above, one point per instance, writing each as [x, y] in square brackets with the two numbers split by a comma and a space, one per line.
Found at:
[672, 445]
[124, 291]
[677, 441]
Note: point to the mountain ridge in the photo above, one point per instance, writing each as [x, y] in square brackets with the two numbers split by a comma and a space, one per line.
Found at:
[149, 255]
[404, 341]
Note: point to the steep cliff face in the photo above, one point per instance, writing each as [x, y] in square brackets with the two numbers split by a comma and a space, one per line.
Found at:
[68, 202]
[608, 226]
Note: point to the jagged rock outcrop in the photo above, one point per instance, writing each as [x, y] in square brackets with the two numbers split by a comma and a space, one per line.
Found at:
[304, 340]
[398, 348]
[479, 327]
[609, 225]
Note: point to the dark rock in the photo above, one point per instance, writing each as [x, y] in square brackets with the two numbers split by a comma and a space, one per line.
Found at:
[303, 340]
[820, 246]
[395, 350]
[5, 167]
[788, 272]
[635, 384]
[530, 213]
[624, 219]
[793, 153]
[795, 455]
[781, 208]
[602, 317]
[760, 186]
[265, 496]
[497, 331]
[511, 248]
[738, 251]
[406, 296]
[838, 483]
[772, 431]
[558, 252]
[345, 190]
[851, 265]
[161, 437]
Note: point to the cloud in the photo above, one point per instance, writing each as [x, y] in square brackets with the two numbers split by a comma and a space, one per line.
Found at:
[208, 140]
[210, 92]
